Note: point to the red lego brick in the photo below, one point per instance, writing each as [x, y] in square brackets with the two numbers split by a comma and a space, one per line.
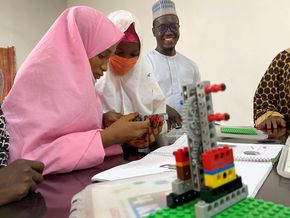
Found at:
[214, 88]
[181, 155]
[218, 117]
[155, 119]
[217, 158]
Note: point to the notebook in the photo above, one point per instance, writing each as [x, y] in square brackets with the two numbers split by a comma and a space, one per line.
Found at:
[283, 167]
[158, 161]
[254, 152]
[252, 171]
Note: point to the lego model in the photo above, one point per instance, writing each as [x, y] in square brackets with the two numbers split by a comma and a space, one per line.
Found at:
[203, 170]
[207, 183]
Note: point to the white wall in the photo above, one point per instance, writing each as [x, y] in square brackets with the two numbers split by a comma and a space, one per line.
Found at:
[24, 22]
[232, 41]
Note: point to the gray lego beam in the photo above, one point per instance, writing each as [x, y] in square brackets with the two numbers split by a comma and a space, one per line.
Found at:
[206, 210]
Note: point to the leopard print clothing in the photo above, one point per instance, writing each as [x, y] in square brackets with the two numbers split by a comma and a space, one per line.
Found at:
[272, 93]
[4, 141]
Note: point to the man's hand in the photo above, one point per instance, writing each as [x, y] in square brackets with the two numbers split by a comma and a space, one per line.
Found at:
[18, 178]
[174, 118]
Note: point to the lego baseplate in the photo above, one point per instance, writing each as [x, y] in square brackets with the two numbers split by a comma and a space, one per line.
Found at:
[248, 208]
[240, 132]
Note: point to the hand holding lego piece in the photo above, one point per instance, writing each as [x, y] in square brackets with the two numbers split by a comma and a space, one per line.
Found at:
[124, 130]
[156, 124]
[110, 117]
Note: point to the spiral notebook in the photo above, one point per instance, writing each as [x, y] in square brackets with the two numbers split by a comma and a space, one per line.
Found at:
[255, 152]
[253, 169]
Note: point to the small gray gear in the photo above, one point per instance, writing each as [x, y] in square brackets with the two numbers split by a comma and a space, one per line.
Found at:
[190, 119]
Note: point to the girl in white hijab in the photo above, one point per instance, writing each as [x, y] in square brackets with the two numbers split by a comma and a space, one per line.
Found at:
[128, 85]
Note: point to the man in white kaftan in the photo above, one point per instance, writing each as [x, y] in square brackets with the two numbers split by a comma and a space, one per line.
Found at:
[171, 69]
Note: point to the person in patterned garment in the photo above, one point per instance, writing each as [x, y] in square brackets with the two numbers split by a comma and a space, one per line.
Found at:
[4, 141]
[271, 100]
[19, 177]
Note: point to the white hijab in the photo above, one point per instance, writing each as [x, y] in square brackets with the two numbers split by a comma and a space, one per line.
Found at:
[136, 91]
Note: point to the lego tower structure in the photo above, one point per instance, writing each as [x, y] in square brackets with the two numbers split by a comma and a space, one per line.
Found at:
[203, 169]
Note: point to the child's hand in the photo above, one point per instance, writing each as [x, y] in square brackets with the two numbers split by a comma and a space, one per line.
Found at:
[139, 143]
[110, 117]
[124, 130]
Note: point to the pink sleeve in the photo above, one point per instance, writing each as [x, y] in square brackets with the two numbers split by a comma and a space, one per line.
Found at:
[113, 150]
[69, 152]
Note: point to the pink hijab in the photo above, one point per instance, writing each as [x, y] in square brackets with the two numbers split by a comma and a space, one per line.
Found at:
[53, 113]
[130, 35]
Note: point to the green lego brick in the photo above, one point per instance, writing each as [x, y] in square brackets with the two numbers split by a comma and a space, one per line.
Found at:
[248, 208]
[240, 131]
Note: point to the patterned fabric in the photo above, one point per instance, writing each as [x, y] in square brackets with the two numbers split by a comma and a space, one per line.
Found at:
[4, 141]
[273, 92]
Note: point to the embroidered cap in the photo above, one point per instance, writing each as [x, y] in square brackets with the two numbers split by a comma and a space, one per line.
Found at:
[163, 7]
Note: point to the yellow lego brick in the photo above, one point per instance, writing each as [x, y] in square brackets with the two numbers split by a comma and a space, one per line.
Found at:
[219, 179]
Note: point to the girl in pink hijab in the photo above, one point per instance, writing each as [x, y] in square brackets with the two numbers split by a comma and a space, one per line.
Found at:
[53, 113]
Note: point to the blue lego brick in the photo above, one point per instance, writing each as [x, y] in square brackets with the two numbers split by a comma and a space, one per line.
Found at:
[212, 172]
